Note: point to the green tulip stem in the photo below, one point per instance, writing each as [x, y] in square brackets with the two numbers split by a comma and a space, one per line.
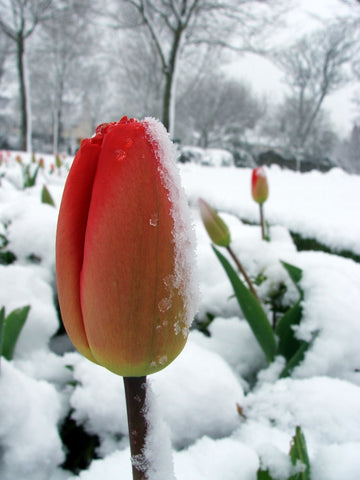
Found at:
[262, 222]
[135, 393]
[243, 271]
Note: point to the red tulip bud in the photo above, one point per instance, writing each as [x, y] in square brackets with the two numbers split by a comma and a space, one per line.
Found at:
[124, 253]
[259, 185]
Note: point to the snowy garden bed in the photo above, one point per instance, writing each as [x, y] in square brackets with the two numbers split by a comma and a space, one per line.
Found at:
[226, 411]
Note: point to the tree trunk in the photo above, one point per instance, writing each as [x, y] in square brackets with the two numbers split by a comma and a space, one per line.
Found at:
[57, 116]
[313, 117]
[28, 107]
[56, 131]
[20, 51]
[166, 101]
[169, 97]
[168, 111]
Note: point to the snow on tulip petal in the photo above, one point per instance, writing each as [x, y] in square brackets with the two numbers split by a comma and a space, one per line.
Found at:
[135, 289]
[184, 237]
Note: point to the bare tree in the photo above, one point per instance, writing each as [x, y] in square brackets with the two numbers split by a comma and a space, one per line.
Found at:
[18, 20]
[138, 71]
[353, 149]
[63, 44]
[218, 111]
[4, 51]
[351, 2]
[314, 68]
[175, 24]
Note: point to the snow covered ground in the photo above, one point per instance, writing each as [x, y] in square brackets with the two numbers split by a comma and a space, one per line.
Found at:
[199, 394]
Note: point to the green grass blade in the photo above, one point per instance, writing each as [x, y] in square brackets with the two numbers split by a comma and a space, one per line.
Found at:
[288, 343]
[252, 310]
[14, 323]
[299, 355]
[264, 475]
[295, 359]
[32, 179]
[295, 274]
[298, 452]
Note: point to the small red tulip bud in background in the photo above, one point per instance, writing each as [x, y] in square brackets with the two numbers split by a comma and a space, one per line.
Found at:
[215, 226]
[125, 257]
[259, 185]
[260, 193]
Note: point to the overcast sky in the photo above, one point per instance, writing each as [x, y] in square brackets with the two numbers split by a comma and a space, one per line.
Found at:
[264, 77]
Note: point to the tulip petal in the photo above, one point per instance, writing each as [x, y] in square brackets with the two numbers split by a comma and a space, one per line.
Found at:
[133, 308]
[70, 241]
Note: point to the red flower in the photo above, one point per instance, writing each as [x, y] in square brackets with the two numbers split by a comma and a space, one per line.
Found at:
[123, 250]
[259, 185]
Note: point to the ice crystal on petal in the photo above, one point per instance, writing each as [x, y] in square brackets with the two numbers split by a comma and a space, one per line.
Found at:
[164, 305]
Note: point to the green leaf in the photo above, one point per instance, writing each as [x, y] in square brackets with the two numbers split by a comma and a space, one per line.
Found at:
[295, 359]
[3, 241]
[288, 343]
[298, 452]
[2, 324]
[46, 196]
[289, 346]
[295, 274]
[7, 258]
[299, 355]
[264, 475]
[33, 178]
[13, 325]
[30, 180]
[252, 310]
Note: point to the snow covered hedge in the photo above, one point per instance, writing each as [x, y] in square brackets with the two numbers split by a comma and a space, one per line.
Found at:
[227, 411]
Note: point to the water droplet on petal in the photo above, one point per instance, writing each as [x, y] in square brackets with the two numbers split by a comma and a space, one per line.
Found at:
[101, 128]
[162, 360]
[128, 143]
[154, 219]
[119, 155]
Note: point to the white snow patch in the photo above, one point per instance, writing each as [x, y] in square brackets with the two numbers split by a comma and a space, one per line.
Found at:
[30, 445]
